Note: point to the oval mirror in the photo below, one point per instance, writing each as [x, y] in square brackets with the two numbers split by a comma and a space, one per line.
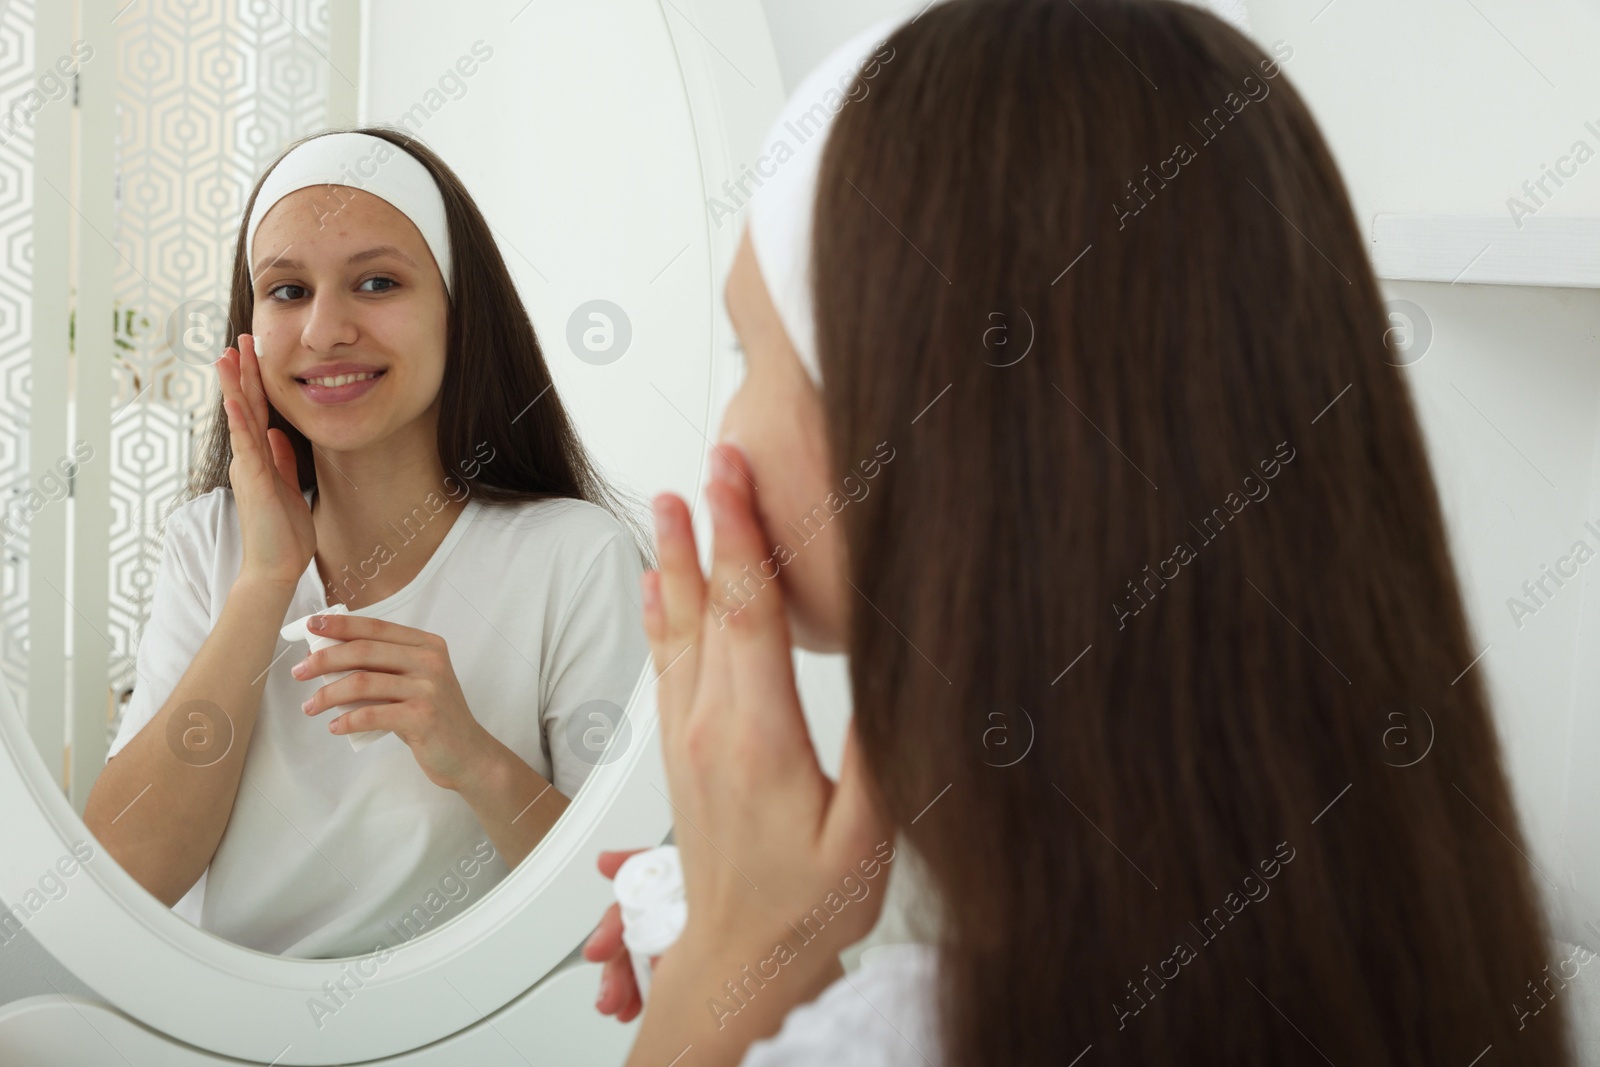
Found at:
[596, 141]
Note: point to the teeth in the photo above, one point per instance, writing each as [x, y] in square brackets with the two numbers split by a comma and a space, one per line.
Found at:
[342, 379]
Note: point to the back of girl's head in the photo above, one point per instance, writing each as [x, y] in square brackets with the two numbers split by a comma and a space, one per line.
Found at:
[1159, 570]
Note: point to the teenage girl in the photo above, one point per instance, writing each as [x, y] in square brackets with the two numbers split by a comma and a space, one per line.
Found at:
[387, 445]
[1196, 843]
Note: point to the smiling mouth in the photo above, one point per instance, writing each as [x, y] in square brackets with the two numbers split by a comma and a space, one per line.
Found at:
[339, 379]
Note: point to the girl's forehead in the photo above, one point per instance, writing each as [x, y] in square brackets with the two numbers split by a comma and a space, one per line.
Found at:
[334, 211]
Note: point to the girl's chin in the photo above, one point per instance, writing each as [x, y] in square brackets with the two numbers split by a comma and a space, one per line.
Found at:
[808, 634]
[344, 425]
[331, 435]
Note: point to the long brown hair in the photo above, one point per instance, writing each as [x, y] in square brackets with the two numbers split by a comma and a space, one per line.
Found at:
[497, 391]
[1186, 546]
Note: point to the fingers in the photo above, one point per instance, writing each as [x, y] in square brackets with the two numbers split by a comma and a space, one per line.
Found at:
[387, 715]
[674, 642]
[245, 433]
[606, 941]
[619, 993]
[635, 1004]
[359, 686]
[617, 987]
[228, 379]
[611, 860]
[352, 627]
[284, 459]
[747, 628]
[250, 376]
[247, 387]
[359, 655]
[241, 440]
[745, 597]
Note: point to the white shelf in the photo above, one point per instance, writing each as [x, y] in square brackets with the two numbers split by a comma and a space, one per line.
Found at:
[1488, 250]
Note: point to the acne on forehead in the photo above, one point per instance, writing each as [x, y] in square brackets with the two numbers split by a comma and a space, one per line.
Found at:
[314, 203]
[338, 211]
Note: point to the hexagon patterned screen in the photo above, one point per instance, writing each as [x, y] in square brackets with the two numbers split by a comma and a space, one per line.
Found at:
[208, 93]
[16, 329]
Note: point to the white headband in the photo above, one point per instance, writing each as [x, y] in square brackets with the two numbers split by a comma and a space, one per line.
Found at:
[363, 162]
[781, 209]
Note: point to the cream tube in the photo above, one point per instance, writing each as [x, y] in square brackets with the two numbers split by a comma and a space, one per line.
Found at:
[300, 630]
[649, 888]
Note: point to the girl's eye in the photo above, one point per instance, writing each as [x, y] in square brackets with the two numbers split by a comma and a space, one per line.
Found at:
[279, 288]
[391, 282]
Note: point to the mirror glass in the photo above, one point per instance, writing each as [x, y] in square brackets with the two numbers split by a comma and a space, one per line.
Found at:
[459, 459]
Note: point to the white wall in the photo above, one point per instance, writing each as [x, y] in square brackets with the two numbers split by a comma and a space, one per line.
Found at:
[805, 31]
[1442, 106]
[1507, 395]
[557, 161]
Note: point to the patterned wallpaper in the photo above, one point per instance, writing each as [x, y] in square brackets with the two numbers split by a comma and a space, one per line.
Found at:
[208, 93]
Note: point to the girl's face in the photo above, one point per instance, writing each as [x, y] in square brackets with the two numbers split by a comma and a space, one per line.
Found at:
[350, 318]
[776, 415]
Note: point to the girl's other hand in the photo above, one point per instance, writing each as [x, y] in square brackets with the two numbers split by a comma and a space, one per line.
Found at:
[274, 519]
[763, 833]
[619, 993]
[407, 676]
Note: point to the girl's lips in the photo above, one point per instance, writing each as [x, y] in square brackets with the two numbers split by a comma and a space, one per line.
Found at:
[339, 394]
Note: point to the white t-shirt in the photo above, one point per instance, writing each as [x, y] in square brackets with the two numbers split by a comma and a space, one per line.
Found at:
[331, 852]
[883, 1015]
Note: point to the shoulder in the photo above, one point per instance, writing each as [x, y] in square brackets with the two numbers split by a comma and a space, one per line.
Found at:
[201, 543]
[203, 521]
[883, 1013]
[566, 531]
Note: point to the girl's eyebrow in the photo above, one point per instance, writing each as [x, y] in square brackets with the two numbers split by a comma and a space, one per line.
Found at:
[358, 257]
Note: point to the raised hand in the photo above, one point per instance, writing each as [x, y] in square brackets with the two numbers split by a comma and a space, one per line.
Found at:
[274, 519]
[752, 805]
[766, 839]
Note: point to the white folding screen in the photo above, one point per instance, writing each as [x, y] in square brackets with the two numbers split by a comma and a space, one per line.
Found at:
[173, 109]
[37, 82]
[16, 329]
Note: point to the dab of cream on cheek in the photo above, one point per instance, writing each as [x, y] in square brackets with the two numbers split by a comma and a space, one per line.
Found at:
[300, 630]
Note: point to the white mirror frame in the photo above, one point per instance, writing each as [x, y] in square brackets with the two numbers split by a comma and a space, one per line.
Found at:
[210, 994]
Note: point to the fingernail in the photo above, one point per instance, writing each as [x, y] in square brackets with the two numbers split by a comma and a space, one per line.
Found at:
[319, 622]
[605, 987]
[299, 668]
[662, 506]
[306, 707]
